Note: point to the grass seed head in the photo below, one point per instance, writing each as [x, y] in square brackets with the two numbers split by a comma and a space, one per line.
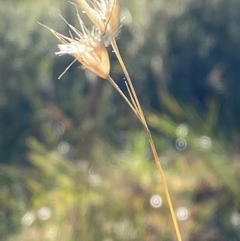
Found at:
[105, 14]
[87, 47]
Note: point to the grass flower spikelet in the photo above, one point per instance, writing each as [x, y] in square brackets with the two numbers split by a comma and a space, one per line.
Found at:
[105, 14]
[87, 47]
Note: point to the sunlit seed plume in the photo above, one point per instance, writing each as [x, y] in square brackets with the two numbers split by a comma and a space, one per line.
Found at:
[105, 14]
[87, 47]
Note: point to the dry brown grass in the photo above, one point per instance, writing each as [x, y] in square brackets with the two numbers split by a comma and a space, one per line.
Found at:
[89, 48]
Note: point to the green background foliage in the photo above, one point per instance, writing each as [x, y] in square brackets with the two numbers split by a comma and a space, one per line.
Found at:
[74, 161]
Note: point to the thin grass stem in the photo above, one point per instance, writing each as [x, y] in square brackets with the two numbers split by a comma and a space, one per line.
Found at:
[131, 96]
[141, 117]
[122, 94]
[115, 48]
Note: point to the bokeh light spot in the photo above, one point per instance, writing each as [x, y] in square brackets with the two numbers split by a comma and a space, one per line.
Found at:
[182, 213]
[63, 147]
[28, 218]
[44, 213]
[59, 128]
[156, 201]
[235, 219]
[181, 144]
[205, 142]
[182, 130]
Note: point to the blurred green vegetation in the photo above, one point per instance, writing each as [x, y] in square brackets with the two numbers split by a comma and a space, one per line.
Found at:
[74, 162]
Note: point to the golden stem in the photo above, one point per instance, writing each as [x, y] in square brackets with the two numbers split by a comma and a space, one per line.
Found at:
[133, 93]
[139, 113]
[121, 93]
